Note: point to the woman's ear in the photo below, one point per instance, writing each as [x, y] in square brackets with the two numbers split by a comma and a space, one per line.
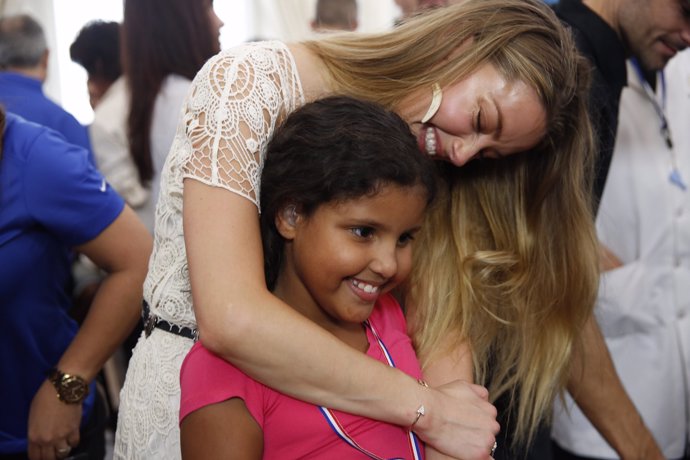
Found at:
[286, 221]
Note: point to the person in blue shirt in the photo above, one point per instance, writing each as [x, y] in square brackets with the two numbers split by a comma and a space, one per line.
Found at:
[53, 201]
[23, 70]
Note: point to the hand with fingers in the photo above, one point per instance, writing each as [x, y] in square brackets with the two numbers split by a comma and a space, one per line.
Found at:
[53, 425]
[459, 421]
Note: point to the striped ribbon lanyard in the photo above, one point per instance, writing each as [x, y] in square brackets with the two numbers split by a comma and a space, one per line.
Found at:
[340, 431]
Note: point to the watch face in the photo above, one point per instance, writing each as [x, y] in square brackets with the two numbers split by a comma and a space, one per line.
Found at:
[72, 389]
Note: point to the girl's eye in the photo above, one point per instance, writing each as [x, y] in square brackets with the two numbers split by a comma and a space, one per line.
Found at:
[405, 239]
[362, 232]
[479, 120]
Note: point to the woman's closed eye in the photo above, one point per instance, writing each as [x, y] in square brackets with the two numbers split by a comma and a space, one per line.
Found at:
[478, 121]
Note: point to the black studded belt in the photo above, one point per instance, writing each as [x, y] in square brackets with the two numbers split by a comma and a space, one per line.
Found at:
[152, 321]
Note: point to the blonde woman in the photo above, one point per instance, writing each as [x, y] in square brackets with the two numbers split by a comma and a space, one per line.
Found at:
[481, 79]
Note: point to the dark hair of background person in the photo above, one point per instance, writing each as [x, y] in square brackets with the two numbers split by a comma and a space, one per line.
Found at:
[337, 148]
[160, 37]
[22, 42]
[97, 50]
[336, 14]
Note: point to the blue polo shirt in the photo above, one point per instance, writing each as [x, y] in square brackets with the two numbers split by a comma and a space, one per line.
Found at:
[51, 199]
[24, 96]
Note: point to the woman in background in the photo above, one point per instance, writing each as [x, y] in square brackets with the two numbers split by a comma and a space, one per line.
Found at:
[97, 50]
[164, 44]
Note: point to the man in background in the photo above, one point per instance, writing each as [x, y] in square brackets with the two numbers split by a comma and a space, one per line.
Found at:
[608, 32]
[335, 15]
[644, 300]
[23, 70]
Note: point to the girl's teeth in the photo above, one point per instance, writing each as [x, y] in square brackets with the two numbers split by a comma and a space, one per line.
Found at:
[368, 288]
[430, 142]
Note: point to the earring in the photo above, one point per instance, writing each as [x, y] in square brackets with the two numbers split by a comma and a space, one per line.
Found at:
[436, 97]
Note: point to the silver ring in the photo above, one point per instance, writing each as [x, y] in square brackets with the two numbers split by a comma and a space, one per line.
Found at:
[63, 450]
[493, 449]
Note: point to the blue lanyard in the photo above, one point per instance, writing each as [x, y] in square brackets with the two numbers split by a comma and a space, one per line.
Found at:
[674, 177]
[659, 108]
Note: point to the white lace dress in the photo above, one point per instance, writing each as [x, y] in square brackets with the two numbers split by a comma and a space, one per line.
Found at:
[232, 108]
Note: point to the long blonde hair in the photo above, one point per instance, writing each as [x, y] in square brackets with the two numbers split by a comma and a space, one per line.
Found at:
[508, 258]
[444, 45]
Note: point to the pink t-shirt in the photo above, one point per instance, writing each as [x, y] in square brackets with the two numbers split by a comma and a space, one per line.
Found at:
[296, 429]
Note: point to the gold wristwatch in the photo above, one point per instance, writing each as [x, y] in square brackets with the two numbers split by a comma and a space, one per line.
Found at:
[71, 389]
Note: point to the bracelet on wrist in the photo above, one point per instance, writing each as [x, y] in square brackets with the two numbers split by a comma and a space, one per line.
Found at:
[420, 410]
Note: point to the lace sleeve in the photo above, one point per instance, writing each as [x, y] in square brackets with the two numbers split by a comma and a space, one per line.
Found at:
[235, 102]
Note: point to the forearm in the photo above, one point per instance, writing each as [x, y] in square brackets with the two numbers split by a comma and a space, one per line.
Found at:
[112, 316]
[122, 250]
[311, 364]
[454, 365]
[598, 391]
[314, 366]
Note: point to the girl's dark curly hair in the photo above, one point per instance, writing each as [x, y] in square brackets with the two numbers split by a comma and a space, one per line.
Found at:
[337, 148]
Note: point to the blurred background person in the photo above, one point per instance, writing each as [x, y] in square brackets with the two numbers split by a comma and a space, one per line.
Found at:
[53, 201]
[644, 300]
[23, 70]
[165, 43]
[97, 49]
[334, 15]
